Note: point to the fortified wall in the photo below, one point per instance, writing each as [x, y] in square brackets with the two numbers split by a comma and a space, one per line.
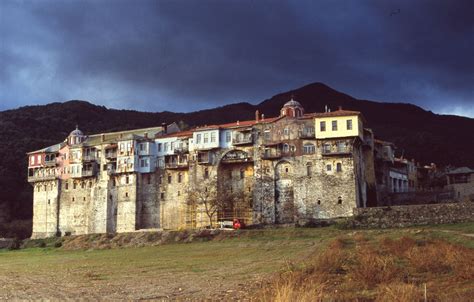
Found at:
[410, 215]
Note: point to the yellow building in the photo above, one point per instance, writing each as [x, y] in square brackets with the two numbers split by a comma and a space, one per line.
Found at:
[340, 123]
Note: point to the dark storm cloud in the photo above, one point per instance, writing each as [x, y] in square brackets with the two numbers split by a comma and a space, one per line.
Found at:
[186, 55]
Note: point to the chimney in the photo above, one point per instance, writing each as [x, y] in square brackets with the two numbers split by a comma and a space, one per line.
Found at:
[165, 128]
[238, 123]
[256, 115]
[263, 116]
[102, 137]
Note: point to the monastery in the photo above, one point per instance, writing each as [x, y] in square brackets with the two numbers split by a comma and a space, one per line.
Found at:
[284, 169]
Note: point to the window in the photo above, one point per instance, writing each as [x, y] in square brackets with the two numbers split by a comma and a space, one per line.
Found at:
[104, 168]
[228, 137]
[206, 173]
[242, 173]
[74, 185]
[73, 199]
[165, 147]
[206, 138]
[127, 179]
[141, 147]
[162, 196]
[126, 194]
[328, 167]
[159, 147]
[213, 137]
[339, 167]
[349, 124]
[198, 138]
[341, 147]
[286, 131]
[266, 134]
[309, 149]
[66, 185]
[334, 125]
[172, 146]
[322, 126]
[83, 185]
[339, 200]
[180, 177]
[286, 148]
[169, 178]
[326, 148]
[309, 168]
[83, 199]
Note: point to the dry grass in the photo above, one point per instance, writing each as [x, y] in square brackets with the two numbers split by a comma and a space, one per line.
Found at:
[381, 270]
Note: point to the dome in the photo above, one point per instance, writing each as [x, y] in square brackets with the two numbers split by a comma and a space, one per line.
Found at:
[75, 137]
[292, 109]
[292, 103]
[76, 132]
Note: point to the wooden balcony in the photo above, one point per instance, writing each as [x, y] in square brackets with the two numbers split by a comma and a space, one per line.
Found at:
[242, 141]
[36, 178]
[177, 165]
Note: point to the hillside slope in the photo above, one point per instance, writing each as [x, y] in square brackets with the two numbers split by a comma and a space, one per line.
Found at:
[420, 134]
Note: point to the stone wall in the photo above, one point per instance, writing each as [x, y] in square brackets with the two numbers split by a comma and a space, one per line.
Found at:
[408, 215]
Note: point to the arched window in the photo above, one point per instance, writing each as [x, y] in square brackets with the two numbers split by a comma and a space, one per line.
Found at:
[339, 200]
[286, 148]
[180, 177]
[339, 167]
[309, 148]
[169, 178]
[286, 131]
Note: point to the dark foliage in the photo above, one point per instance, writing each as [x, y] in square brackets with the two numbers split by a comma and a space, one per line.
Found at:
[419, 134]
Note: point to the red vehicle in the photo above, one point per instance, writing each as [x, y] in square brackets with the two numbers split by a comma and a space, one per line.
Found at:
[237, 224]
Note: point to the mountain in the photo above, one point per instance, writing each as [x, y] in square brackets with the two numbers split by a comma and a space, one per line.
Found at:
[419, 134]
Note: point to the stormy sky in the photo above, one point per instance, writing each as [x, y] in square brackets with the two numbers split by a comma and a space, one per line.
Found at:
[186, 55]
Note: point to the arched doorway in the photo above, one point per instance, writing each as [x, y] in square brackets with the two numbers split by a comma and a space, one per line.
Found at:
[284, 195]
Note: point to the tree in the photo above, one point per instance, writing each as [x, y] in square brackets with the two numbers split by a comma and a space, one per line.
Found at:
[204, 195]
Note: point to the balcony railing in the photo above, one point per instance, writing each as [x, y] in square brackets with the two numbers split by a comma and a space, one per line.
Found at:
[50, 163]
[242, 140]
[183, 149]
[338, 151]
[35, 178]
[176, 165]
[88, 157]
[110, 155]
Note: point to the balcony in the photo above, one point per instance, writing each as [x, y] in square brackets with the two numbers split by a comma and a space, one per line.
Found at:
[177, 165]
[89, 157]
[236, 156]
[338, 152]
[182, 149]
[238, 141]
[35, 178]
[272, 154]
[50, 163]
[204, 158]
[111, 155]
[307, 135]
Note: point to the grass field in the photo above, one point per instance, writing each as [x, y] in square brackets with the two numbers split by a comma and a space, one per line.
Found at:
[253, 264]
